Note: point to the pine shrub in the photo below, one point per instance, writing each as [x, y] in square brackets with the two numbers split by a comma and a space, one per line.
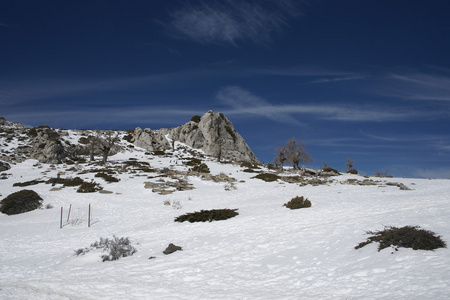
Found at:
[208, 215]
[352, 171]
[406, 237]
[21, 202]
[201, 168]
[298, 202]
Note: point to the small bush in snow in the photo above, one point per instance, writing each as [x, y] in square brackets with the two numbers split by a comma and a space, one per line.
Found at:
[352, 171]
[208, 215]
[406, 237]
[20, 202]
[268, 177]
[89, 187]
[230, 186]
[201, 168]
[107, 177]
[298, 202]
[115, 248]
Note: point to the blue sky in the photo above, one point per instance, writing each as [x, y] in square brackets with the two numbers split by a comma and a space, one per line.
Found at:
[368, 80]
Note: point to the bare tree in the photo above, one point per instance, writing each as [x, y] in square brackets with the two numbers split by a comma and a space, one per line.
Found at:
[92, 145]
[350, 163]
[105, 143]
[280, 156]
[296, 153]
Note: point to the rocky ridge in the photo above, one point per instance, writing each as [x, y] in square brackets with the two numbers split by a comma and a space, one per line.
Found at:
[212, 133]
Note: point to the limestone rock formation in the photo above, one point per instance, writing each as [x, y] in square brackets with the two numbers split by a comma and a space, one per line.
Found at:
[212, 133]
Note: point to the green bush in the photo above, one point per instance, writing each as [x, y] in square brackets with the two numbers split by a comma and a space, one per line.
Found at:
[89, 187]
[116, 248]
[107, 177]
[269, 177]
[406, 237]
[298, 202]
[208, 215]
[20, 202]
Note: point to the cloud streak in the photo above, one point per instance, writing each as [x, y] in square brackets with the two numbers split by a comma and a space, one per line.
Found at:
[231, 21]
[241, 102]
[420, 86]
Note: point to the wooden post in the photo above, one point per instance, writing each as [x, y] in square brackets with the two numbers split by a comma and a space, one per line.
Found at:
[60, 223]
[89, 217]
[68, 215]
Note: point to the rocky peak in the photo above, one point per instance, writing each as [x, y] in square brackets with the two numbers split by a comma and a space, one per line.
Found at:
[212, 133]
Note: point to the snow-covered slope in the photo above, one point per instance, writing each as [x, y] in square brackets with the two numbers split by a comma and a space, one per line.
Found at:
[266, 252]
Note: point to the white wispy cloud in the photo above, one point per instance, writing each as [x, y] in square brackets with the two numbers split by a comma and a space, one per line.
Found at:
[231, 21]
[319, 74]
[243, 102]
[418, 86]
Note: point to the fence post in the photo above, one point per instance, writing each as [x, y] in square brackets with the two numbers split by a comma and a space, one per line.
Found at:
[89, 217]
[60, 223]
[68, 215]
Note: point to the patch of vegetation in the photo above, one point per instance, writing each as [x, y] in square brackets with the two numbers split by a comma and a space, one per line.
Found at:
[89, 187]
[298, 202]
[28, 183]
[268, 177]
[208, 215]
[406, 237]
[115, 248]
[201, 168]
[107, 177]
[250, 171]
[128, 138]
[83, 140]
[192, 161]
[158, 153]
[196, 119]
[20, 202]
[66, 181]
[352, 171]
[328, 169]
[249, 165]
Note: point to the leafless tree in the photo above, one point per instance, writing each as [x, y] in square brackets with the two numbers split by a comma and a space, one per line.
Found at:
[106, 142]
[296, 153]
[350, 163]
[280, 156]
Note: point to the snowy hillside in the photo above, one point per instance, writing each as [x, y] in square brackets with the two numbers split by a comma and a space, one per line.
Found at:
[265, 252]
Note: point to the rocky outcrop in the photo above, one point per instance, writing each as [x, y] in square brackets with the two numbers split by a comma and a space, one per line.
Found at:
[46, 145]
[212, 133]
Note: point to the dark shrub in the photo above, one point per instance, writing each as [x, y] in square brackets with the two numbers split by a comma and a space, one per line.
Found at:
[196, 119]
[4, 166]
[328, 169]
[201, 168]
[249, 165]
[208, 215]
[192, 161]
[352, 171]
[406, 237]
[267, 177]
[128, 138]
[107, 177]
[298, 202]
[28, 183]
[116, 248]
[66, 181]
[21, 202]
[158, 152]
[89, 187]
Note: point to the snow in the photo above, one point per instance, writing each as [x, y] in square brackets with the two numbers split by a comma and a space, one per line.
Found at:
[266, 252]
